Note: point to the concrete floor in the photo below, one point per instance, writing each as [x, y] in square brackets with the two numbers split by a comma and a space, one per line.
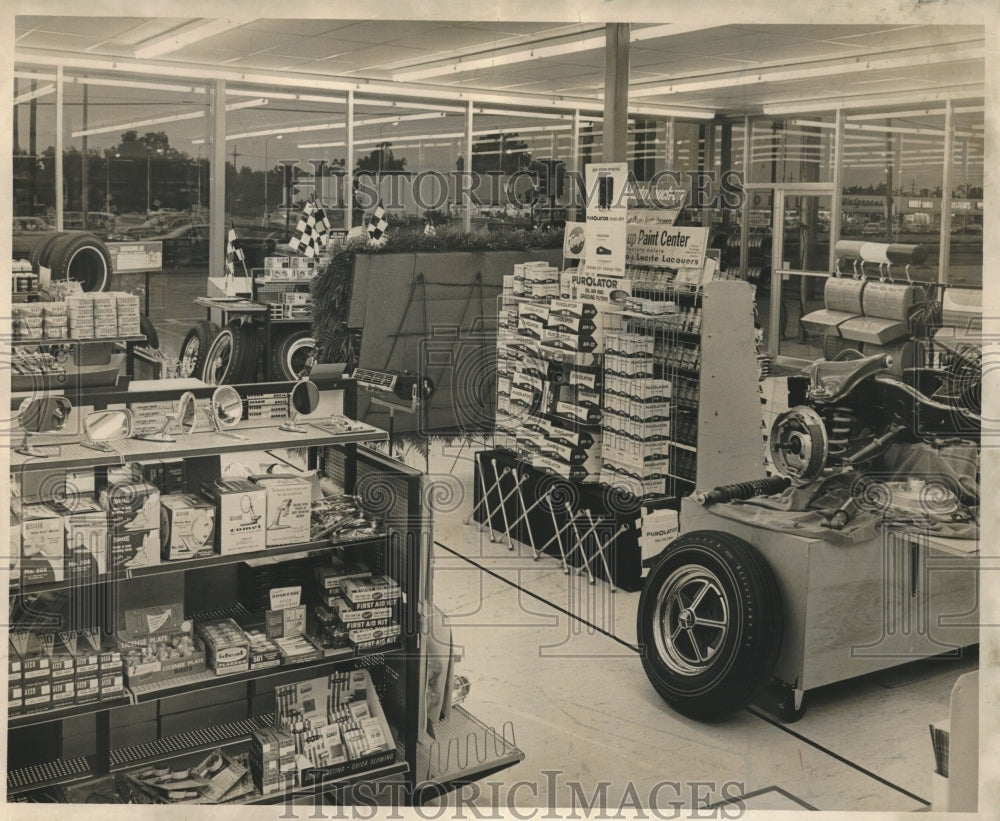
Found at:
[555, 657]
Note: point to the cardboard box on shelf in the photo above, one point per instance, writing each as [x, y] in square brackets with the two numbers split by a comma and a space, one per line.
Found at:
[134, 548]
[86, 541]
[42, 544]
[131, 506]
[37, 695]
[289, 507]
[227, 648]
[158, 643]
[187, 527]
[376, 590]
[240, 509]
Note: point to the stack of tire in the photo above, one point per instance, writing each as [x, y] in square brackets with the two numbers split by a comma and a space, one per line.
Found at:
[231, 355]
[75, 255]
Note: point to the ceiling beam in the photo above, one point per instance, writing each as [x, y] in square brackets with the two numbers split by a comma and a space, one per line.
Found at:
[553, 47]
[314, 82]
[882, 99]
[818, 69]
[185, 35]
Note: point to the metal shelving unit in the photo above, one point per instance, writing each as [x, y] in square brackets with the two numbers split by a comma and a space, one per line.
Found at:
[396, 667]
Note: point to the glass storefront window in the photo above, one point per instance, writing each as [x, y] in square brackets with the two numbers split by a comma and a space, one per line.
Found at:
[892, 181]
[796, 150]
[965, 256]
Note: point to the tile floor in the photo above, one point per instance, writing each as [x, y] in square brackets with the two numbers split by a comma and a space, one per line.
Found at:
[554, 658]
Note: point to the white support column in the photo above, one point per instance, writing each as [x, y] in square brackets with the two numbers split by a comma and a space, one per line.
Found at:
[745, 208]
[467, 213]
[349, 162]
[217, 193]
[944, 255]
[59, 149]
[616, 66]
[838, 176]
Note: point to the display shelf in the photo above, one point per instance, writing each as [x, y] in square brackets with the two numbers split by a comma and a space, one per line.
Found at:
[285, 553]
[231, 304]
[42, 716]
[49, 774]
[464, 750]
[206, 679]
[95, 340]
[192, 445]
[397, 767]
[195, 741]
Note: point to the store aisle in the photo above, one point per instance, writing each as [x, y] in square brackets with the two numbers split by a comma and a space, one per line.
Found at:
[556, 656]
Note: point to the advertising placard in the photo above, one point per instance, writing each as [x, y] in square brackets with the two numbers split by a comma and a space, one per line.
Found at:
[133, 257]
[607, 212]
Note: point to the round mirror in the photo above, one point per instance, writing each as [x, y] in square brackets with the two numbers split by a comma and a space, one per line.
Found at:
[46, 414]
[227, 406]
[187, 413]
[227, 410]
[304, 397]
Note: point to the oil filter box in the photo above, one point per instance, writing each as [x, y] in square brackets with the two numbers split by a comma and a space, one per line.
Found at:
[187, 527]
[289, 508]
[240, 509]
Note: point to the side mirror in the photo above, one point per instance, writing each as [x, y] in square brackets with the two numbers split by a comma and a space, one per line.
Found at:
[303, 398]
[46, 414]
[101, 427]
[227, 410]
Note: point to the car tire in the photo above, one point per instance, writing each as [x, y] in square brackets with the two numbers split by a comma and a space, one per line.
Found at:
[232, 357]
[709, 624]
[218, 359]
[40, 253]
[82, 257]
[148, 330]
[292, 355]
[195, 347]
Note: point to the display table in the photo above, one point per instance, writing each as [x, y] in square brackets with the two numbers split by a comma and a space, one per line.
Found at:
[852, 609]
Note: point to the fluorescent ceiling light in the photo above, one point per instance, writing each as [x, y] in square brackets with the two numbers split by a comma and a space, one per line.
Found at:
[275, 80]
[299, 129]
[169, 118]
[184, 36]
[34, 95]
[500, 57]
[875, 100]
[102, 81]
[451, 135]
[819, 69]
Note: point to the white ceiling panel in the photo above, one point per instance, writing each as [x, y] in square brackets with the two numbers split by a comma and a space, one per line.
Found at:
[372, 48]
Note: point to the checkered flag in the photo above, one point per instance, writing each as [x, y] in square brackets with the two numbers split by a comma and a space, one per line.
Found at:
[313, 231]
[377, 223]
[234, 252]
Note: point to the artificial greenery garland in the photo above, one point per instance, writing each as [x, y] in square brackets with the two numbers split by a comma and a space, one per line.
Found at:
[331, 290]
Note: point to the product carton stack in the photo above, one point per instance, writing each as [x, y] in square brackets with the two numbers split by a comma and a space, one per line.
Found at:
[127, 310]
[636, 423]
[80, 313]
[549, 402]
[133, 511]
